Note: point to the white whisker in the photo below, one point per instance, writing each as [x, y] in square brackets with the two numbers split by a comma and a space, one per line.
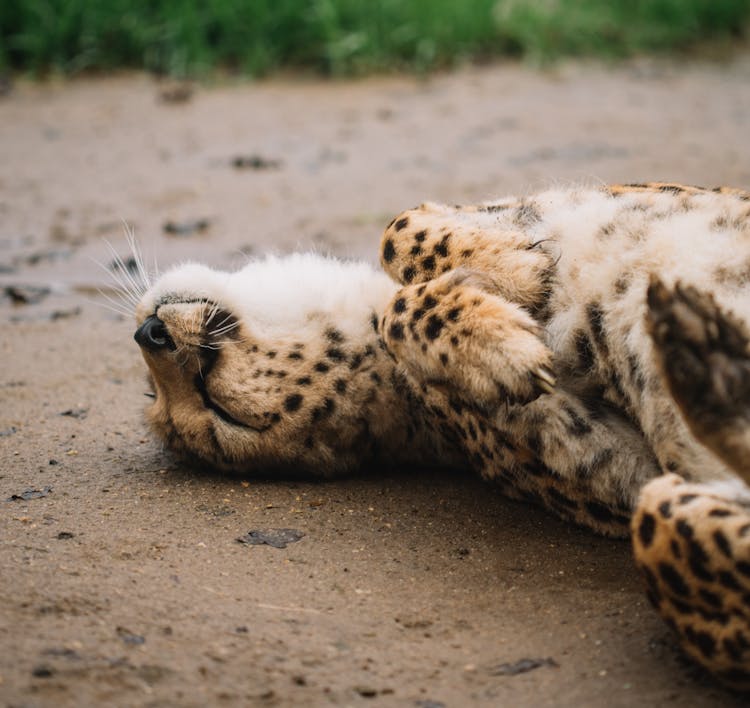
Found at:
[224, 330]
[123, 289]
[119, 305]
[117, 310]
[137, 255]
[137, 288]
[212, 314]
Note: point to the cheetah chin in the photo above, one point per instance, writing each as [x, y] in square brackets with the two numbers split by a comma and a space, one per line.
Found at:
[585, 348]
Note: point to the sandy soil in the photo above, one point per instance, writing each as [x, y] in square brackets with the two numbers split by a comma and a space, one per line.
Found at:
[125, 584]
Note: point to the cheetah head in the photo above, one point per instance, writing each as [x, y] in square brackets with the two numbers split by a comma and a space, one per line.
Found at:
[252, 370]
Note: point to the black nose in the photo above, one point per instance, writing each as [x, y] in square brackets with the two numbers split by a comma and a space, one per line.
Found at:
[152, 334]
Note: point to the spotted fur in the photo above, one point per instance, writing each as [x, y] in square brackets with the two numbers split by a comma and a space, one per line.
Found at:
[584, 348]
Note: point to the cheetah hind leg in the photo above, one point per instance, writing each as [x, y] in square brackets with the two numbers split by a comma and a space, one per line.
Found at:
[692, 541]
[704, 355]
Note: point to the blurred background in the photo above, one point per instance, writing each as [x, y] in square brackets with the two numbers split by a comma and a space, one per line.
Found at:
[344, 37]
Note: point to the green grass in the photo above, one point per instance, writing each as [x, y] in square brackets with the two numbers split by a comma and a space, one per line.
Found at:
[193, 37]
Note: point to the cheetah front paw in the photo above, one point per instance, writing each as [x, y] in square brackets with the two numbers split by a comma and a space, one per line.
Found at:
[452, 332]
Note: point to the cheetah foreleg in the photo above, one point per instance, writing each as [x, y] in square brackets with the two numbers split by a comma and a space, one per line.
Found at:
[454, 333]
[423, 243]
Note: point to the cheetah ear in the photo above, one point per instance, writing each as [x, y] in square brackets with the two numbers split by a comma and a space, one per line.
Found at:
[474, 279]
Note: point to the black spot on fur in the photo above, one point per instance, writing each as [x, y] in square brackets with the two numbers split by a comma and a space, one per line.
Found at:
[455, 406]
[389, 252]
[396, 331]
[583, 350]
[415, 250]
[429, 302]
[420, 236]
[722, 543]
[294, 355]
[665, 509]
[622, 284]
[453, 314]
[335, 354]
[334, 335]
[340, 386]
[595, 317]
[428, 263]
[374, 322]
[673, 579]
[417, 315]
[304, 381]
[711, 598]
[439, 412]
[292, 402]
[322, 367]
[534, 443]
[434, 327]
[731, 648]
[599, 511]
[685, 529]
[743, 567]
[443, 359]
[636, 374]
[408, 274]
[400, 305]
[356, 361]
[687, 498]
[646, 530]
[720, 512]
[727, 579]
[704, 641]
[560, 498]
[577, 426]
[441, 249]
[697, 560]
[402, 223]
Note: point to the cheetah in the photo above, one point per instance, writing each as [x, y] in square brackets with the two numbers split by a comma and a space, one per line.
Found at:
[584, 348]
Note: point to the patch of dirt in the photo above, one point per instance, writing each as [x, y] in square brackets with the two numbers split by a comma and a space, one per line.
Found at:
[125, 585]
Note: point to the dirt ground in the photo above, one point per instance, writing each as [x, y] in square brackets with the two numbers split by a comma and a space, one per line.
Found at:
[124, 584]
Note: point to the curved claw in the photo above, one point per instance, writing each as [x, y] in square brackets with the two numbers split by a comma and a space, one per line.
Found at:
[545, 379]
